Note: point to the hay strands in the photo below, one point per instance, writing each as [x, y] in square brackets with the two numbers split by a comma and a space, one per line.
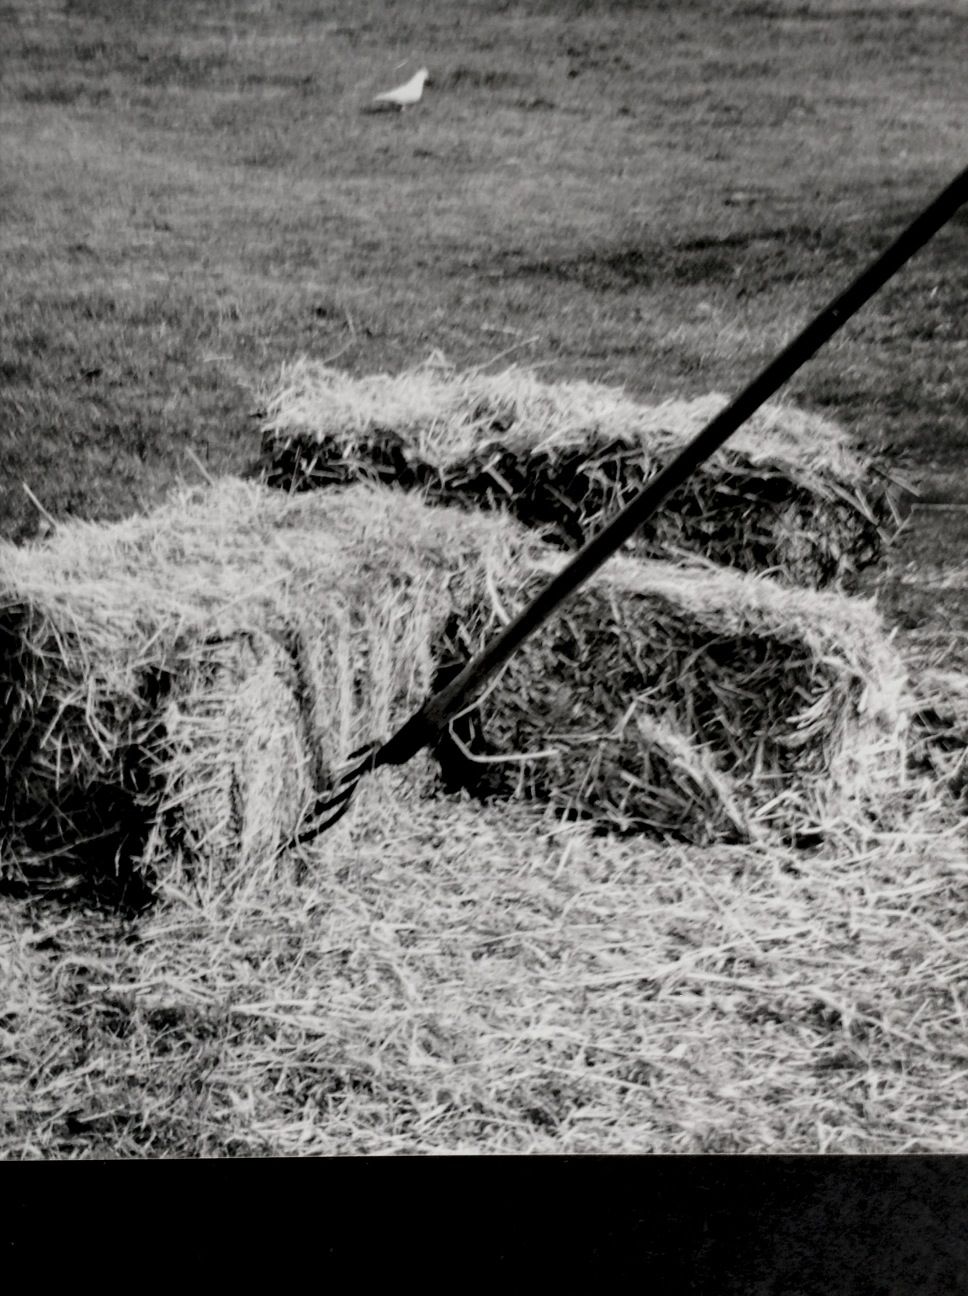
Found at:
[423, 727]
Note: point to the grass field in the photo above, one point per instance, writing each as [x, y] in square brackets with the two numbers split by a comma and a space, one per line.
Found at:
[650, 194]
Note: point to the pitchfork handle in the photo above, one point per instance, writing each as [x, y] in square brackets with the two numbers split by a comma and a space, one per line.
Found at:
[422, 727]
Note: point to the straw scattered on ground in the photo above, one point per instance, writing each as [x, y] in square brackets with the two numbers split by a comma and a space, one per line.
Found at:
[788, 493]
[452, 978]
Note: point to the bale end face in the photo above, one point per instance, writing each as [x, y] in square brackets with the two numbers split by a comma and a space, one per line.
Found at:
[698, 705]
[79, 740]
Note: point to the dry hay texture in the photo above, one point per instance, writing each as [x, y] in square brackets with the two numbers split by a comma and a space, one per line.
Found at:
[939, 714]
[697, 703]
[176, 687]
[181, 682]
[788, 494]
[465, 979]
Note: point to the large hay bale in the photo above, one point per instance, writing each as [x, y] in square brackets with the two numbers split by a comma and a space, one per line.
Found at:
[209, 660]
[787, 494]
[178, 686]
[700, 703]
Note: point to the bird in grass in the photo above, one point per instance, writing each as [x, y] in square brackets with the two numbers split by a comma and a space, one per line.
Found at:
[406, 95]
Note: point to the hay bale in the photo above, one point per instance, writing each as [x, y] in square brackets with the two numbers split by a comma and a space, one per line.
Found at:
[700, 703]
[78, 720]
[787, 494]
[175, 689]
[177, 683]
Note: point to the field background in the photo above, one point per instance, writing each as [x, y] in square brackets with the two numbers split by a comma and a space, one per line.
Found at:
[653, 194]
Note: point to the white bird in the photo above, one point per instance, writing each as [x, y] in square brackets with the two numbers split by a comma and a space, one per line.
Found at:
[404, 96]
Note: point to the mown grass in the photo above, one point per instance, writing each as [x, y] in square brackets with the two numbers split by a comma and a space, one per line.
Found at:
[645, 194]
[641, 193]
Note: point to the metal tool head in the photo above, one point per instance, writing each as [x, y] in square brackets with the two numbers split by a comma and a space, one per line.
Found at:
[334, 801]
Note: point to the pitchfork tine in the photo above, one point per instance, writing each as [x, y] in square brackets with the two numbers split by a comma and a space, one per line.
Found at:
[325, 818]
[337, 796]
[429, 721]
